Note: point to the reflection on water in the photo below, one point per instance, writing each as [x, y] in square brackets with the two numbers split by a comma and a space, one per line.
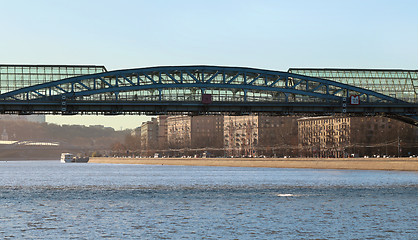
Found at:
[49, 200]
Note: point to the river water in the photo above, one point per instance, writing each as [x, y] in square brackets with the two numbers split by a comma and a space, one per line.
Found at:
[50, 200]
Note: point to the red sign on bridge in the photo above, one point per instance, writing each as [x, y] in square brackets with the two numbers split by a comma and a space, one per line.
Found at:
[354, 99]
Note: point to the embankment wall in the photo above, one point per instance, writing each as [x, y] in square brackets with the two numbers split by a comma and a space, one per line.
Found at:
[398, 164]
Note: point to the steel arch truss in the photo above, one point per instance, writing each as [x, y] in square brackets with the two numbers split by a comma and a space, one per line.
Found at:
[230, 89]
[237, 84]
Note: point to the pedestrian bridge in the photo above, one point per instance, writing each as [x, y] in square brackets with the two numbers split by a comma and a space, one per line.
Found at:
[199, 90]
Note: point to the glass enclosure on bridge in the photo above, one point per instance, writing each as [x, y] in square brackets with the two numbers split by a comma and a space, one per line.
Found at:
[13, 77]
[400, 84]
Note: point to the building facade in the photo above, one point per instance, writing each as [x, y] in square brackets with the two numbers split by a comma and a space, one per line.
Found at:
[162, 133]
[207, 135]
[179, 132]
[241, 135]
[149, 137]
[278, 136]
[324, 136]
[260, 135]
[356, 136]
[195, 135]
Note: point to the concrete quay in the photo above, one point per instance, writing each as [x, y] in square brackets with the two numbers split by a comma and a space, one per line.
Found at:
[396, 164]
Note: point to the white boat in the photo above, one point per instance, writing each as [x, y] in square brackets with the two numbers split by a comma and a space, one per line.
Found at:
[66, 157]
[70, 158]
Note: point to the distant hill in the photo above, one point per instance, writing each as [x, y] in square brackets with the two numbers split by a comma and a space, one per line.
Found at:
[74, 136]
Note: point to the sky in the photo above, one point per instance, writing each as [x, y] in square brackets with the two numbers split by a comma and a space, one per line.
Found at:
[267, 34]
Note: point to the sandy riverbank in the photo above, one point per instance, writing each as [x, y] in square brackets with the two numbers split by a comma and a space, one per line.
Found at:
[399, 164]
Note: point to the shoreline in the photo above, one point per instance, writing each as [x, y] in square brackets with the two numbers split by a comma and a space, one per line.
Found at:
[392, 164]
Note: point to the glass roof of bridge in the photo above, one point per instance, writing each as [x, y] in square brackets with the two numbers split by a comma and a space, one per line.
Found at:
[401, 84]
[13, 77]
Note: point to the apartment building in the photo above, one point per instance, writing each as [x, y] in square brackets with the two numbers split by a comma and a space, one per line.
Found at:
[356, 136]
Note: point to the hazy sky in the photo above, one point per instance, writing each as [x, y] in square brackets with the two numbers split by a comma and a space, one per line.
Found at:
[269, 34]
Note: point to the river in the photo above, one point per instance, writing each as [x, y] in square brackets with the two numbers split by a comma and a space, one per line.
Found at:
[51, 200]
